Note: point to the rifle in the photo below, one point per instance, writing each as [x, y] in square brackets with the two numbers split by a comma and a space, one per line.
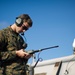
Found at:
[39, 50]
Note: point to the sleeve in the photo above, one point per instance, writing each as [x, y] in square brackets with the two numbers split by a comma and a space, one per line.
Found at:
[9, 55]
[5, 55]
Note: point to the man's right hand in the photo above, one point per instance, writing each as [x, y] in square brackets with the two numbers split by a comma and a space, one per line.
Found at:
[22, 54]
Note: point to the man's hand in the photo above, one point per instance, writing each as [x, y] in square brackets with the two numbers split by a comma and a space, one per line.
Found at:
[22, 54]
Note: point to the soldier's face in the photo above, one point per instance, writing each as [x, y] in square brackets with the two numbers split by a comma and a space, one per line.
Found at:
[23, 28]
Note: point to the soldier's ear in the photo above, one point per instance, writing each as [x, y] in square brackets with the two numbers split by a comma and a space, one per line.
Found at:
[19, 21]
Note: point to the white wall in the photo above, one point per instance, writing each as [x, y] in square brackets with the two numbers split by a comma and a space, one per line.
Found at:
[48, 66]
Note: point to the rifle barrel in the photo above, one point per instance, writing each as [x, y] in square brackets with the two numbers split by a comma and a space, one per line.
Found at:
[35, 51]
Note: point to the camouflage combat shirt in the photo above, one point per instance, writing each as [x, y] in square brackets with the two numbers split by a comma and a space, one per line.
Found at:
[9, 43]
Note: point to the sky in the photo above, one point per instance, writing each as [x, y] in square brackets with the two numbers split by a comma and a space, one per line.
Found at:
[53, 24]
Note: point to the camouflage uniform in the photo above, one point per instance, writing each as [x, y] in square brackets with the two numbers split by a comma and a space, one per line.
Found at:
[10, 64]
